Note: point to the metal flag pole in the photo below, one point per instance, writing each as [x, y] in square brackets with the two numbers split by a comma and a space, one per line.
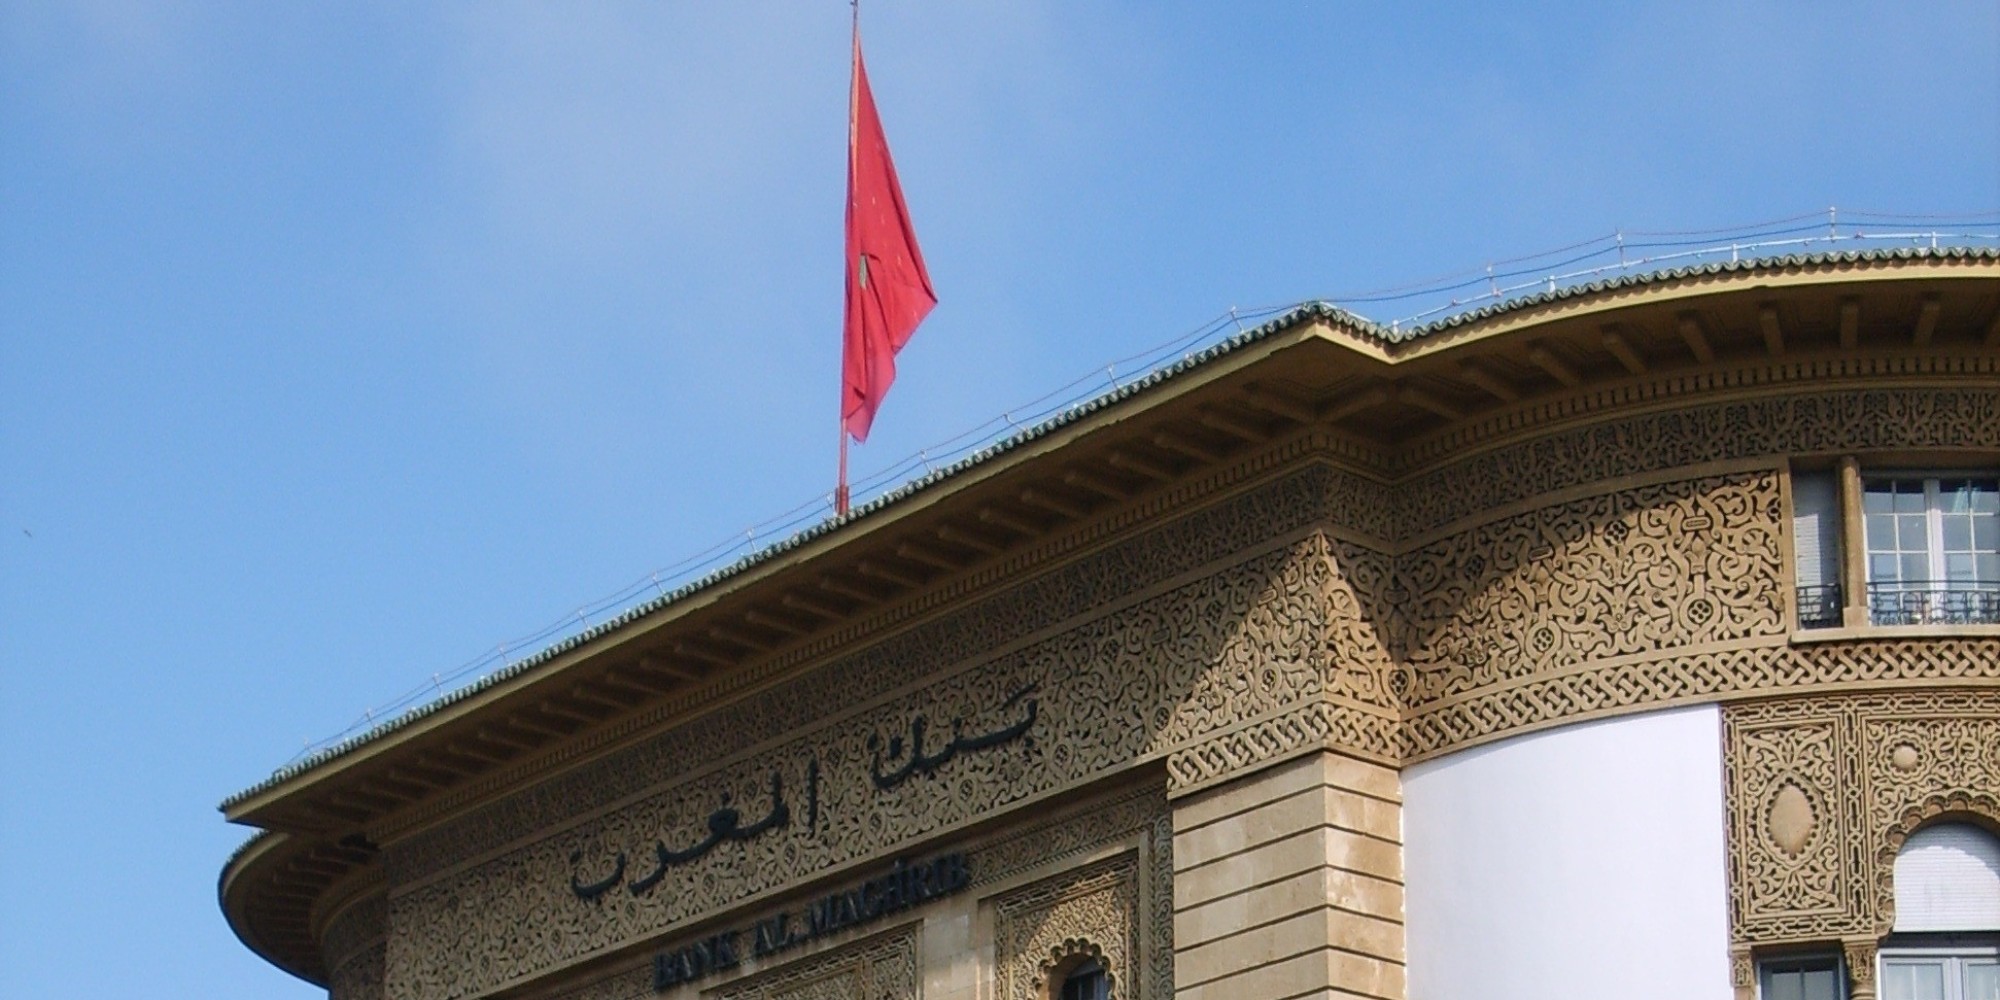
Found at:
[840, 496]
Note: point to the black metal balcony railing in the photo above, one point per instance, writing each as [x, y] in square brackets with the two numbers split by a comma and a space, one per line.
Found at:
[1910, 602]
[1819, 607]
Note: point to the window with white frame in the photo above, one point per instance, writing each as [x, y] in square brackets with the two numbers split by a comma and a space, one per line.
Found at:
[1933, 549]
[1946, 944]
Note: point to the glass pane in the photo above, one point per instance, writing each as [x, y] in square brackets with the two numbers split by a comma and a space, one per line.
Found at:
[1877, 498]
[1916, 568]
[1881, 531]
[1986, 497]
[1982, 980]
[1819, 985]
[1909, 498]
[1910, 534]
[1957, 534]
[1989, 568]
[1882, 569]
[1785, 986]
[1958, 568]
[1986, 533]
[1913, 979]
[1955, 496]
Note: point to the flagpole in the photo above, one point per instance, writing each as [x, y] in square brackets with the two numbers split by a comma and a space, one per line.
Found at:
[840, 497]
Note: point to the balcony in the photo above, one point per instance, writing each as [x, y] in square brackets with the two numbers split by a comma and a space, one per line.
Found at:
[1913, 602]
[1820, 607]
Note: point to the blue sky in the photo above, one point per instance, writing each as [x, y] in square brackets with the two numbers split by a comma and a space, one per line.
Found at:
[341, 342]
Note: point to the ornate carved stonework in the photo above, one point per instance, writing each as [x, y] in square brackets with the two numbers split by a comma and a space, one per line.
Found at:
[881, 968]
[1822, 790]
[1138, 818]
[1545, 581]
[1091, 911]
[360, 977]
[1092, 586]
[1813, 421]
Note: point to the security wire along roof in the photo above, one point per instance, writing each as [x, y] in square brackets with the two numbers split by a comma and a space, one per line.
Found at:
[1387, 334]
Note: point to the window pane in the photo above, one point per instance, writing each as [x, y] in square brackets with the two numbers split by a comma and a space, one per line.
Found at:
[1916, 568]
[1909, 498]
[1913, 979]
[1877, 498]
[1986, 497]
[1882, 569]
[1785, 986]
[1958, 568]
[1881, 531]
[1955, 496]
[1819, 985]
[1957, 533]
[1986, 533]
[1989, 568]
[1982, 980]
[1911, 534]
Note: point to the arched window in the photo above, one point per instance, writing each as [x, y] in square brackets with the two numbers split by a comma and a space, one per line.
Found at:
[1086, 982]
[1946, 944]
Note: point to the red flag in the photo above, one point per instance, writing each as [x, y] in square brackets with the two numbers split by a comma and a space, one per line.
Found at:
[888, 291]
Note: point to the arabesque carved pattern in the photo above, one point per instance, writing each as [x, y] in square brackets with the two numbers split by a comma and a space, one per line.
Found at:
[1206, 538]
[882, 968]
[1776, 425]
[1091, 910]
[360, 977]
[517, 910]
[1620, 574]
[1869, 769]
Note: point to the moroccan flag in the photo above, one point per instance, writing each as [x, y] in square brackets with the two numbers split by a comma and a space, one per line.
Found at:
[888, 291]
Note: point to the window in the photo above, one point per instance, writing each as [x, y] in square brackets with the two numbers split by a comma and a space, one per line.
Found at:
[1808, 977]
[1088, 982]
[1816, 548]
[1941, 974]
[1947, 917]
[1933, 550]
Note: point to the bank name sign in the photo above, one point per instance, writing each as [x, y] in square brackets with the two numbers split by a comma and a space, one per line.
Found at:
[900, 888]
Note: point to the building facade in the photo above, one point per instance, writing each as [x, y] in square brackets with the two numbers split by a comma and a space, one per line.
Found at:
[1635, 640]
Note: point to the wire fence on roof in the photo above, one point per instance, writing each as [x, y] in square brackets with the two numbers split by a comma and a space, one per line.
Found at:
[1434, 300]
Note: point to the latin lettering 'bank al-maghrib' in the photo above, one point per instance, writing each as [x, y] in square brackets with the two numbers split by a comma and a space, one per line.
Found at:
[1640, 640]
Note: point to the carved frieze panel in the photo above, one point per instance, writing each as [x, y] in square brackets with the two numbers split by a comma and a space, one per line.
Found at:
[1134, 684]
[1823, 789]
[1932, 416]
[1632, 573]
[1090, 912]
[1138, 816]
[1092, 584]
[882, 968]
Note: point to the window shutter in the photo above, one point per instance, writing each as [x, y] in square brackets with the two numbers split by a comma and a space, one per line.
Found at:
[1948, 879]
[1816, 528]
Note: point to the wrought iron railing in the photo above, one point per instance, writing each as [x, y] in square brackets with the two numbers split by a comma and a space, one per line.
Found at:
[1910, 602]
[1820, 606]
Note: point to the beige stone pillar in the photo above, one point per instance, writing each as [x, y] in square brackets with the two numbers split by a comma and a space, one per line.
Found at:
[1289, 883]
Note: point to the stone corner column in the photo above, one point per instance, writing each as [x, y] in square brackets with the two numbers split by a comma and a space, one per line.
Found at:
[1289, 881]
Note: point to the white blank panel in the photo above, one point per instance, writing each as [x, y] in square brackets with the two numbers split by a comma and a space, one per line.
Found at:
[1948, 879]
[1584, 861]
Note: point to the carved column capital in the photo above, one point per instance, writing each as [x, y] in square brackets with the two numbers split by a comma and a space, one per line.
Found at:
[1860, 955]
